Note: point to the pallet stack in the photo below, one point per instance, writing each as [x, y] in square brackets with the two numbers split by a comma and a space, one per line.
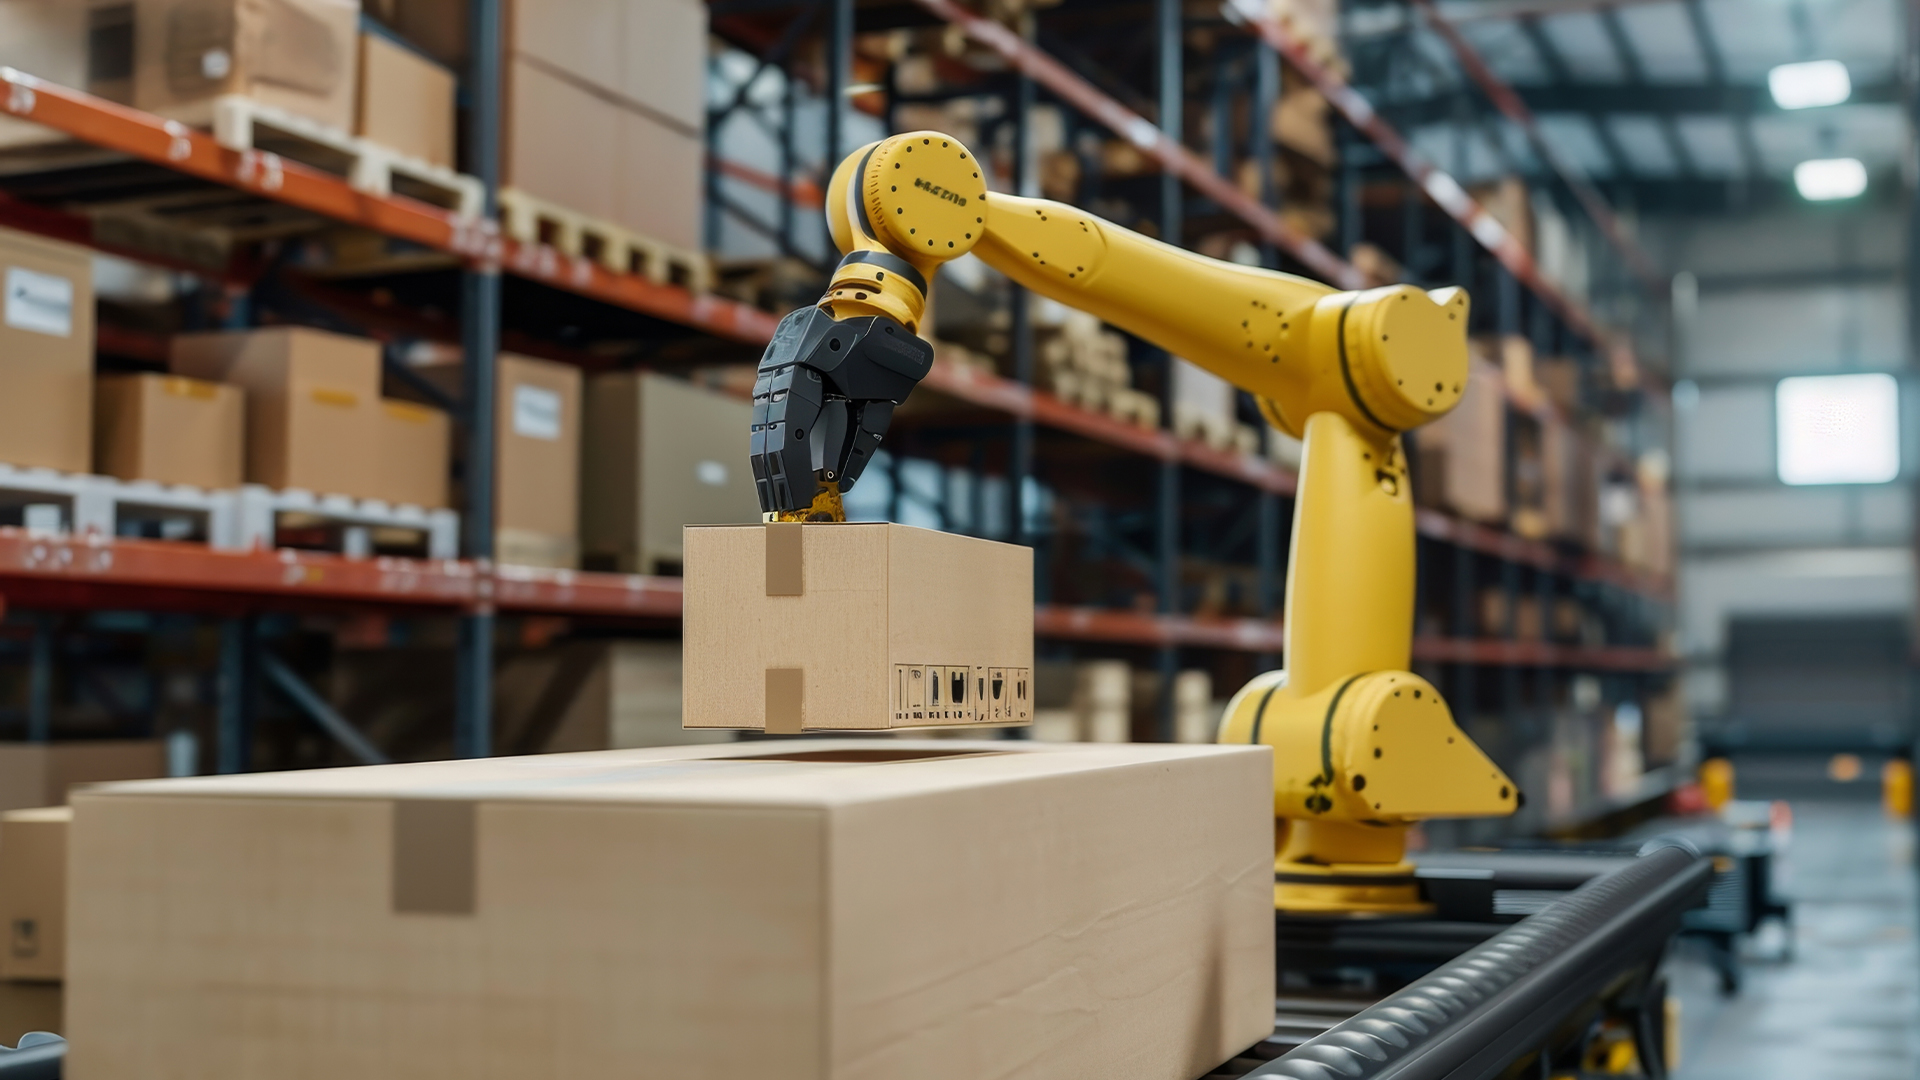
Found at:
[604, 143]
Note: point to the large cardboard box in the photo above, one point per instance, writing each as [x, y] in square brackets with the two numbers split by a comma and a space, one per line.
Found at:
[170, 430]
[46, 353]
[591, 152]
[33, 892]
[537, 426]
[650, 56]
[414, 444]
[659, 454]
[929, 629]
[559, 141]
[662, 181]
[864, 910]
[313, 403]
[297, 55]
[406, 101]
[40, 774]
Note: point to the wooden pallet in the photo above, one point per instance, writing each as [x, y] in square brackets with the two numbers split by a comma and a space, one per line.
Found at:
[241, 123]
[533, 220]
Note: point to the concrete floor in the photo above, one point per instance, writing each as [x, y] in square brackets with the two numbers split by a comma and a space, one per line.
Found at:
[1847, 1005]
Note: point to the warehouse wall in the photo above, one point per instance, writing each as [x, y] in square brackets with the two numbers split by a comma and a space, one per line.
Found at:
[1791, 292]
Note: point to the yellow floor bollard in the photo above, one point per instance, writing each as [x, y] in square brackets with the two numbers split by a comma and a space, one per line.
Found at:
[1716, 782]
[1896, 788]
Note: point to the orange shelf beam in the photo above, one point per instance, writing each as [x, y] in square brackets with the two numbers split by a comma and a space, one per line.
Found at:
[176, 146]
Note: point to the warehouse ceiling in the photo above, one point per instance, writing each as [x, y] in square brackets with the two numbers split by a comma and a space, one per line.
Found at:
[1662, 101]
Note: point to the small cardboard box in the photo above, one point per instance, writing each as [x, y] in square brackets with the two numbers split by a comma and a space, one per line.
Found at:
[30, 1006]
[313, 403]
[872, 910]
[39, 774]
[46, 353]
[414, 443]
[33, 892]
[793, 627]
[297, 55]
[406, 101]
[660, 454]
[169, 429]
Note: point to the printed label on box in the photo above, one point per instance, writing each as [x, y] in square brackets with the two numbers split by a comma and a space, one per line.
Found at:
[958, 694]
[536, 412]
[42, 303]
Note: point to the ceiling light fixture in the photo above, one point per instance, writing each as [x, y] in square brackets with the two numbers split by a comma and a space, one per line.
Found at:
[1828, 179]
[1810, 85]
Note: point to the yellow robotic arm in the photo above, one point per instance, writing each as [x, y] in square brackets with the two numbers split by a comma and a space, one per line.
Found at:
[1362, 747]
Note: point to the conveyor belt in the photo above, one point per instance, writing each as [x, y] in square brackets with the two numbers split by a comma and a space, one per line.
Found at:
[1494, 1005]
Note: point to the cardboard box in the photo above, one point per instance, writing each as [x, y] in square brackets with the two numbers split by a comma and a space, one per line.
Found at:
[30, 1006]
[405, 101]
[297, 55]
[1461, 462]
[536, 457]
[659, 454]
[39, 774]
[650, 56]
[559, 141]
[33, 892]
[874, 909]
[661, 181]
[929, 629]
[414, 444]
[46, 353]
[313, 403]
[593, 695]
[595, 154]
[436, 27]
[169, 429]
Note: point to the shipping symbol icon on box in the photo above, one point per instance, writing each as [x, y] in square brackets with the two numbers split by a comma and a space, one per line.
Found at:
[857, 626]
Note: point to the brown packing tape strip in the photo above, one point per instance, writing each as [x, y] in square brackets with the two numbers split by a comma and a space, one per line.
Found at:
[783, 559]
[435, 857]
[786, 697]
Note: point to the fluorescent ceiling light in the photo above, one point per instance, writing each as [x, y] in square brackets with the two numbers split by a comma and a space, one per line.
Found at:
[1810, 85]
[1826, 179]
[1838, 429]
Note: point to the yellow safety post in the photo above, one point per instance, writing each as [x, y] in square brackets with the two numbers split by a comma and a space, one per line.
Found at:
[1896, 788]
[1716, 782]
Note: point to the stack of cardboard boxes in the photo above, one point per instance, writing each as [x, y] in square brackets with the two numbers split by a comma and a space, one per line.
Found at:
[605, 111]
[315, 419]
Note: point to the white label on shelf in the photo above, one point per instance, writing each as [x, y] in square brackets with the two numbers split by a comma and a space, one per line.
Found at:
[713, 473]
[42, 303]
[536, 412]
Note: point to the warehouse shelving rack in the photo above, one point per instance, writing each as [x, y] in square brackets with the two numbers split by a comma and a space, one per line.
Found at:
[91, 572]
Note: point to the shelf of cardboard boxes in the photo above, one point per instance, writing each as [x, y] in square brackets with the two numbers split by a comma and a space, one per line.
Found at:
[171, 145]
